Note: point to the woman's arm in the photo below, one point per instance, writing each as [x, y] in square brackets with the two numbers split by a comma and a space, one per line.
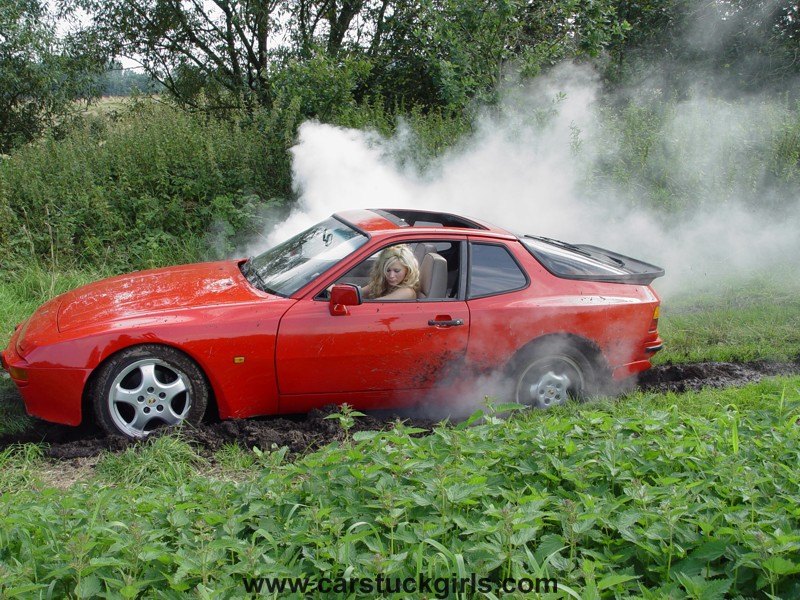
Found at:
[401, 293]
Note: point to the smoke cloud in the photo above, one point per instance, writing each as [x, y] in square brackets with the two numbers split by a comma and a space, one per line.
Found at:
[547, 161]
[527, 166]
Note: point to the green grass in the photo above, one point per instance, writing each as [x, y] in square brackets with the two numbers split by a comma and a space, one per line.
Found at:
[163, 461]
[682, 496]
[745, 319]
[22, 294]
[19, 465]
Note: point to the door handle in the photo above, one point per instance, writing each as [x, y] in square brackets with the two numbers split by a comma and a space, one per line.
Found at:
[445, 322]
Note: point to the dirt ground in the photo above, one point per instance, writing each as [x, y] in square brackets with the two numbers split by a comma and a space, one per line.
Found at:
[305, 433]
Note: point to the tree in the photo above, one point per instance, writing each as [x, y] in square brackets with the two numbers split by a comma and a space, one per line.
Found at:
[41, 76]
[448, 52]
[223, 50]
[734, 45]
[225, 53]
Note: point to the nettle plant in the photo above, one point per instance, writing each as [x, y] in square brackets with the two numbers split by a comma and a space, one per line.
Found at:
[652, 497]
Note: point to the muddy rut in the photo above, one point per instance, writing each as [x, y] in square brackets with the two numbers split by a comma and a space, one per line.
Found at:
[302, 434]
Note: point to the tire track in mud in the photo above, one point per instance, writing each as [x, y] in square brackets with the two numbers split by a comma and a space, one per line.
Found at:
[312, 431]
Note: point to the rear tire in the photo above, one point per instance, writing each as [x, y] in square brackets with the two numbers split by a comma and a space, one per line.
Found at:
[551, 373]
[146, 387]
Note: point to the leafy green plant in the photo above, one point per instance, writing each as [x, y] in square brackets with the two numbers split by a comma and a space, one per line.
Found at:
[346, 417]
[139, 190]
[651, 495]
[640, 497]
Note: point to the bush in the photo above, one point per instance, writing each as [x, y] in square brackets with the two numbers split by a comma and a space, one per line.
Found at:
[153, 185]
[140, 190]
[674, 156]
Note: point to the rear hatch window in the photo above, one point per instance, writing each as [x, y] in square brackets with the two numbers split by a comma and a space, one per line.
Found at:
[589, 263]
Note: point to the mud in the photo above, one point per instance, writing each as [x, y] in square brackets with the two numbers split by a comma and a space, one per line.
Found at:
[306, 433]
[696, 376]
[301, 434]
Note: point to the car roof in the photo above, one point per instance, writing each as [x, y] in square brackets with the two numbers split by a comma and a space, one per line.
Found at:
[385, 220]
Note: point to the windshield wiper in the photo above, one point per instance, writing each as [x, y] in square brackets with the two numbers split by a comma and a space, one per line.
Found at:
[249, 270]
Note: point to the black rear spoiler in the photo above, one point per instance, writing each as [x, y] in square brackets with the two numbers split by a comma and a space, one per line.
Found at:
[589, 263]
[639, 272]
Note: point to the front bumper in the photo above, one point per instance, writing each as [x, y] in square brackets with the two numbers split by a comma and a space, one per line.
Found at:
[49, 393]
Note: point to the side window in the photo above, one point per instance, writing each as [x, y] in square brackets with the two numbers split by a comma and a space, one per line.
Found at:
[493, 271]
[437, 275]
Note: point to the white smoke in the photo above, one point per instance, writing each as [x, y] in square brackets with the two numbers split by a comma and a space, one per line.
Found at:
[524, 168]
[510, 172]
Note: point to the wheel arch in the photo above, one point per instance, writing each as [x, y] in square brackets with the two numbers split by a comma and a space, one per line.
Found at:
[555, 341]
[87, 406]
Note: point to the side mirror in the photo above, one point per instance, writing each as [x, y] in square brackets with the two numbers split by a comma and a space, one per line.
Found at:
[342, 296]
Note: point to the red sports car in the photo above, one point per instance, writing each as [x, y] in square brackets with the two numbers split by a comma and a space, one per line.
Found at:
[293, 329]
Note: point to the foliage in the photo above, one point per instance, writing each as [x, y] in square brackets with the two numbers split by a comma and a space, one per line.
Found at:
[41, 76]
[144, 184]
[674, 496]
[320, 88]
[324, 58]
[655, 496]
[652, 496]
[346, 417]
[139, 188]
[154, 186]
[225, 52]
[731, 46]
[437, 53]
[147, 184]
[678, 156]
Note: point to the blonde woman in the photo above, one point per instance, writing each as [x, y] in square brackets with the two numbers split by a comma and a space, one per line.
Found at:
[395, 275]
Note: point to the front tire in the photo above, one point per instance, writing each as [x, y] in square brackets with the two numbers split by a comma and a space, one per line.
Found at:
[146, 387]
[551, 373]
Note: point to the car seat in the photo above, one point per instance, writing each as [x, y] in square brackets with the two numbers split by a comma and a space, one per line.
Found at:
[433, 277]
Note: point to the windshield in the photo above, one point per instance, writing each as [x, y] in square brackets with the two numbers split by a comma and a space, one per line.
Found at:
[287, 267]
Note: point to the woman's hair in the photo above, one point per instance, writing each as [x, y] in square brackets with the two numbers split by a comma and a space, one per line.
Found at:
[401, 253]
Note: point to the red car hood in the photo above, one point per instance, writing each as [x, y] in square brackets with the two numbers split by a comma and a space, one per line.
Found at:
[155, 290]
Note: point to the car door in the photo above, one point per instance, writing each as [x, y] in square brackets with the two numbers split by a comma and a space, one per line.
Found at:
[374, 346]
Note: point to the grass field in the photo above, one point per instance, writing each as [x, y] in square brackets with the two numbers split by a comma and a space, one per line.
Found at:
[647, 496]
[754, 318]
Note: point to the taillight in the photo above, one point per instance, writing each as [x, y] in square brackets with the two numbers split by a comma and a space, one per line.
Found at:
[654, 322]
